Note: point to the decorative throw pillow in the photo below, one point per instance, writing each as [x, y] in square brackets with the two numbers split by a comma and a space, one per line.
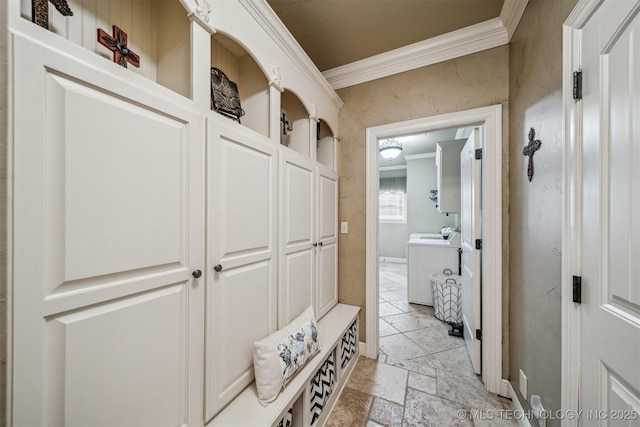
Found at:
[280, 355]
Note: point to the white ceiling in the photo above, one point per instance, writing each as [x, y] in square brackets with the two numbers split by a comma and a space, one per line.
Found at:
[422, 143]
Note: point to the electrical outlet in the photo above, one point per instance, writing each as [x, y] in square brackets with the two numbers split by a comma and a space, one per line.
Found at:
[523, 385]
[344, 227]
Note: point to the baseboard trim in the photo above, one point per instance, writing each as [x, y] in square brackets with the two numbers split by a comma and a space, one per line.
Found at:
[516, 406]
[391, 259]
[363, 348]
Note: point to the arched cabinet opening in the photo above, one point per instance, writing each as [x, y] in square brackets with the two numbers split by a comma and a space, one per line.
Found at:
[238, 65]
[294, 124]
[158, 32]
[325, 145]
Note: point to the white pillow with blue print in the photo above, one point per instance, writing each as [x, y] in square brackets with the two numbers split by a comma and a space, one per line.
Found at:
[279, 356]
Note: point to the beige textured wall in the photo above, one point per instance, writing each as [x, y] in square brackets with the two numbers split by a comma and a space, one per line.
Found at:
[3, 209]
[464, 83]
[535, 89]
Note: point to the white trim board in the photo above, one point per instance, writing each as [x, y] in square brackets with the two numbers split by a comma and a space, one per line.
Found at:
[491, 118]
[465, 41]
[571, 206]
[516, 406]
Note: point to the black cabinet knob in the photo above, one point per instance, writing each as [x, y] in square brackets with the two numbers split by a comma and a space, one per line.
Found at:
[315, 245]
[320, 243]
[197, 274]
[218, 268]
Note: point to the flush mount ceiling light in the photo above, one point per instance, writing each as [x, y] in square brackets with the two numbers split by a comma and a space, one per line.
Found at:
[390, 149]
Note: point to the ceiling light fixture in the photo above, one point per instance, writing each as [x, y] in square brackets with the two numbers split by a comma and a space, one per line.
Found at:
[390, 149]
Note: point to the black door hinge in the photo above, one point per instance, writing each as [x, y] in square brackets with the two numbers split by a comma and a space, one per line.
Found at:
[577, 289]
[577, 84]
[479, 334]
[479, 244]
[478, 153]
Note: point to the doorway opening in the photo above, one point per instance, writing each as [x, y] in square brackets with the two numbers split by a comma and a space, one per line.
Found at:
[490, 118]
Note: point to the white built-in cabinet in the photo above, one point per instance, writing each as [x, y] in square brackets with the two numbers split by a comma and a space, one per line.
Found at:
[154, 240]
[448, 166]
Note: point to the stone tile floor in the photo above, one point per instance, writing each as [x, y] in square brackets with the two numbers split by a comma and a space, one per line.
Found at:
[423, 377]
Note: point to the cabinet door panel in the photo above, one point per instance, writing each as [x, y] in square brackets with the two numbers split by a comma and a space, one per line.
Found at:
[104, 243]
[327, 225]
[241, 240]
[297, 234]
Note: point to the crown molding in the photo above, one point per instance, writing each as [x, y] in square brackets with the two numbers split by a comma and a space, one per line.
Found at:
[472, 39]
[511, 14]
[465, 41]
[269, 21]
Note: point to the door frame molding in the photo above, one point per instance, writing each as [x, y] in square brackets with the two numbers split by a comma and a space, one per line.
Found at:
[572, 204]
[491, 118]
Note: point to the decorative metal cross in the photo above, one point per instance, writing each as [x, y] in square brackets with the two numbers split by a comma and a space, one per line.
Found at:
[530, 149]
[118, 45]
[40, 11]
[286, 124]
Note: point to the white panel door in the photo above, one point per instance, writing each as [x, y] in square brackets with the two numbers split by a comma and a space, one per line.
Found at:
[241, 255]
[327, 237]
[470, 230]
[107, 201]
[296, 290]
[610, 248]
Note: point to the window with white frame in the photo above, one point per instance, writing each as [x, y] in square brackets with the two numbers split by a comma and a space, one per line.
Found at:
[392, 206]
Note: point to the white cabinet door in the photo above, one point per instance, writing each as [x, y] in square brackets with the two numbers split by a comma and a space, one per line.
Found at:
[241, 266]
[610, 219]
[107, 201]
[327, 239]
[470, 230]
[296, 290]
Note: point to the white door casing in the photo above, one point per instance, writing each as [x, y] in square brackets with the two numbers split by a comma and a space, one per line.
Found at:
[107, 199]
[470, 231]
[241, 301]
[491, 117]
[610, 214]
[296, 281]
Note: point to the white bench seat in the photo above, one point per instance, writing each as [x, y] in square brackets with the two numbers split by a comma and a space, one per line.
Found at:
[246, 411]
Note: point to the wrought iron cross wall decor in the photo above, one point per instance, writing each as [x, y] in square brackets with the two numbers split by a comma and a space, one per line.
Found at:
[40, 11]
[118, 45]
[530, 149]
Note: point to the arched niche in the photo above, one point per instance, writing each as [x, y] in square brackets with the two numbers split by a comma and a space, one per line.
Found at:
[325, 145]
[295, 132]
[253, 86]
[157, 31]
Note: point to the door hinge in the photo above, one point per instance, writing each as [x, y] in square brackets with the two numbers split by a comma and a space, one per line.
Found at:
[478, 153]
[479, 334]
[577, 289]
[479, 244]
[577, 84]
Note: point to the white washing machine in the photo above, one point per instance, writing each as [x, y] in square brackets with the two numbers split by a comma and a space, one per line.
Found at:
[427, 255]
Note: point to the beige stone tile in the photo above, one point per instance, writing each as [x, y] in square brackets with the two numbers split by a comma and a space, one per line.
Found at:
[420, 365]
[412, 321]
[373, 424]
[386, 413]
[400, 347]
[396, 295]
[434, 340]
[351, 409]
[466, 390]
[386, 309]
[423, 383]
[425, 410]
[455, 360]
[385, 329]
[379, 379]
[407, 307]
